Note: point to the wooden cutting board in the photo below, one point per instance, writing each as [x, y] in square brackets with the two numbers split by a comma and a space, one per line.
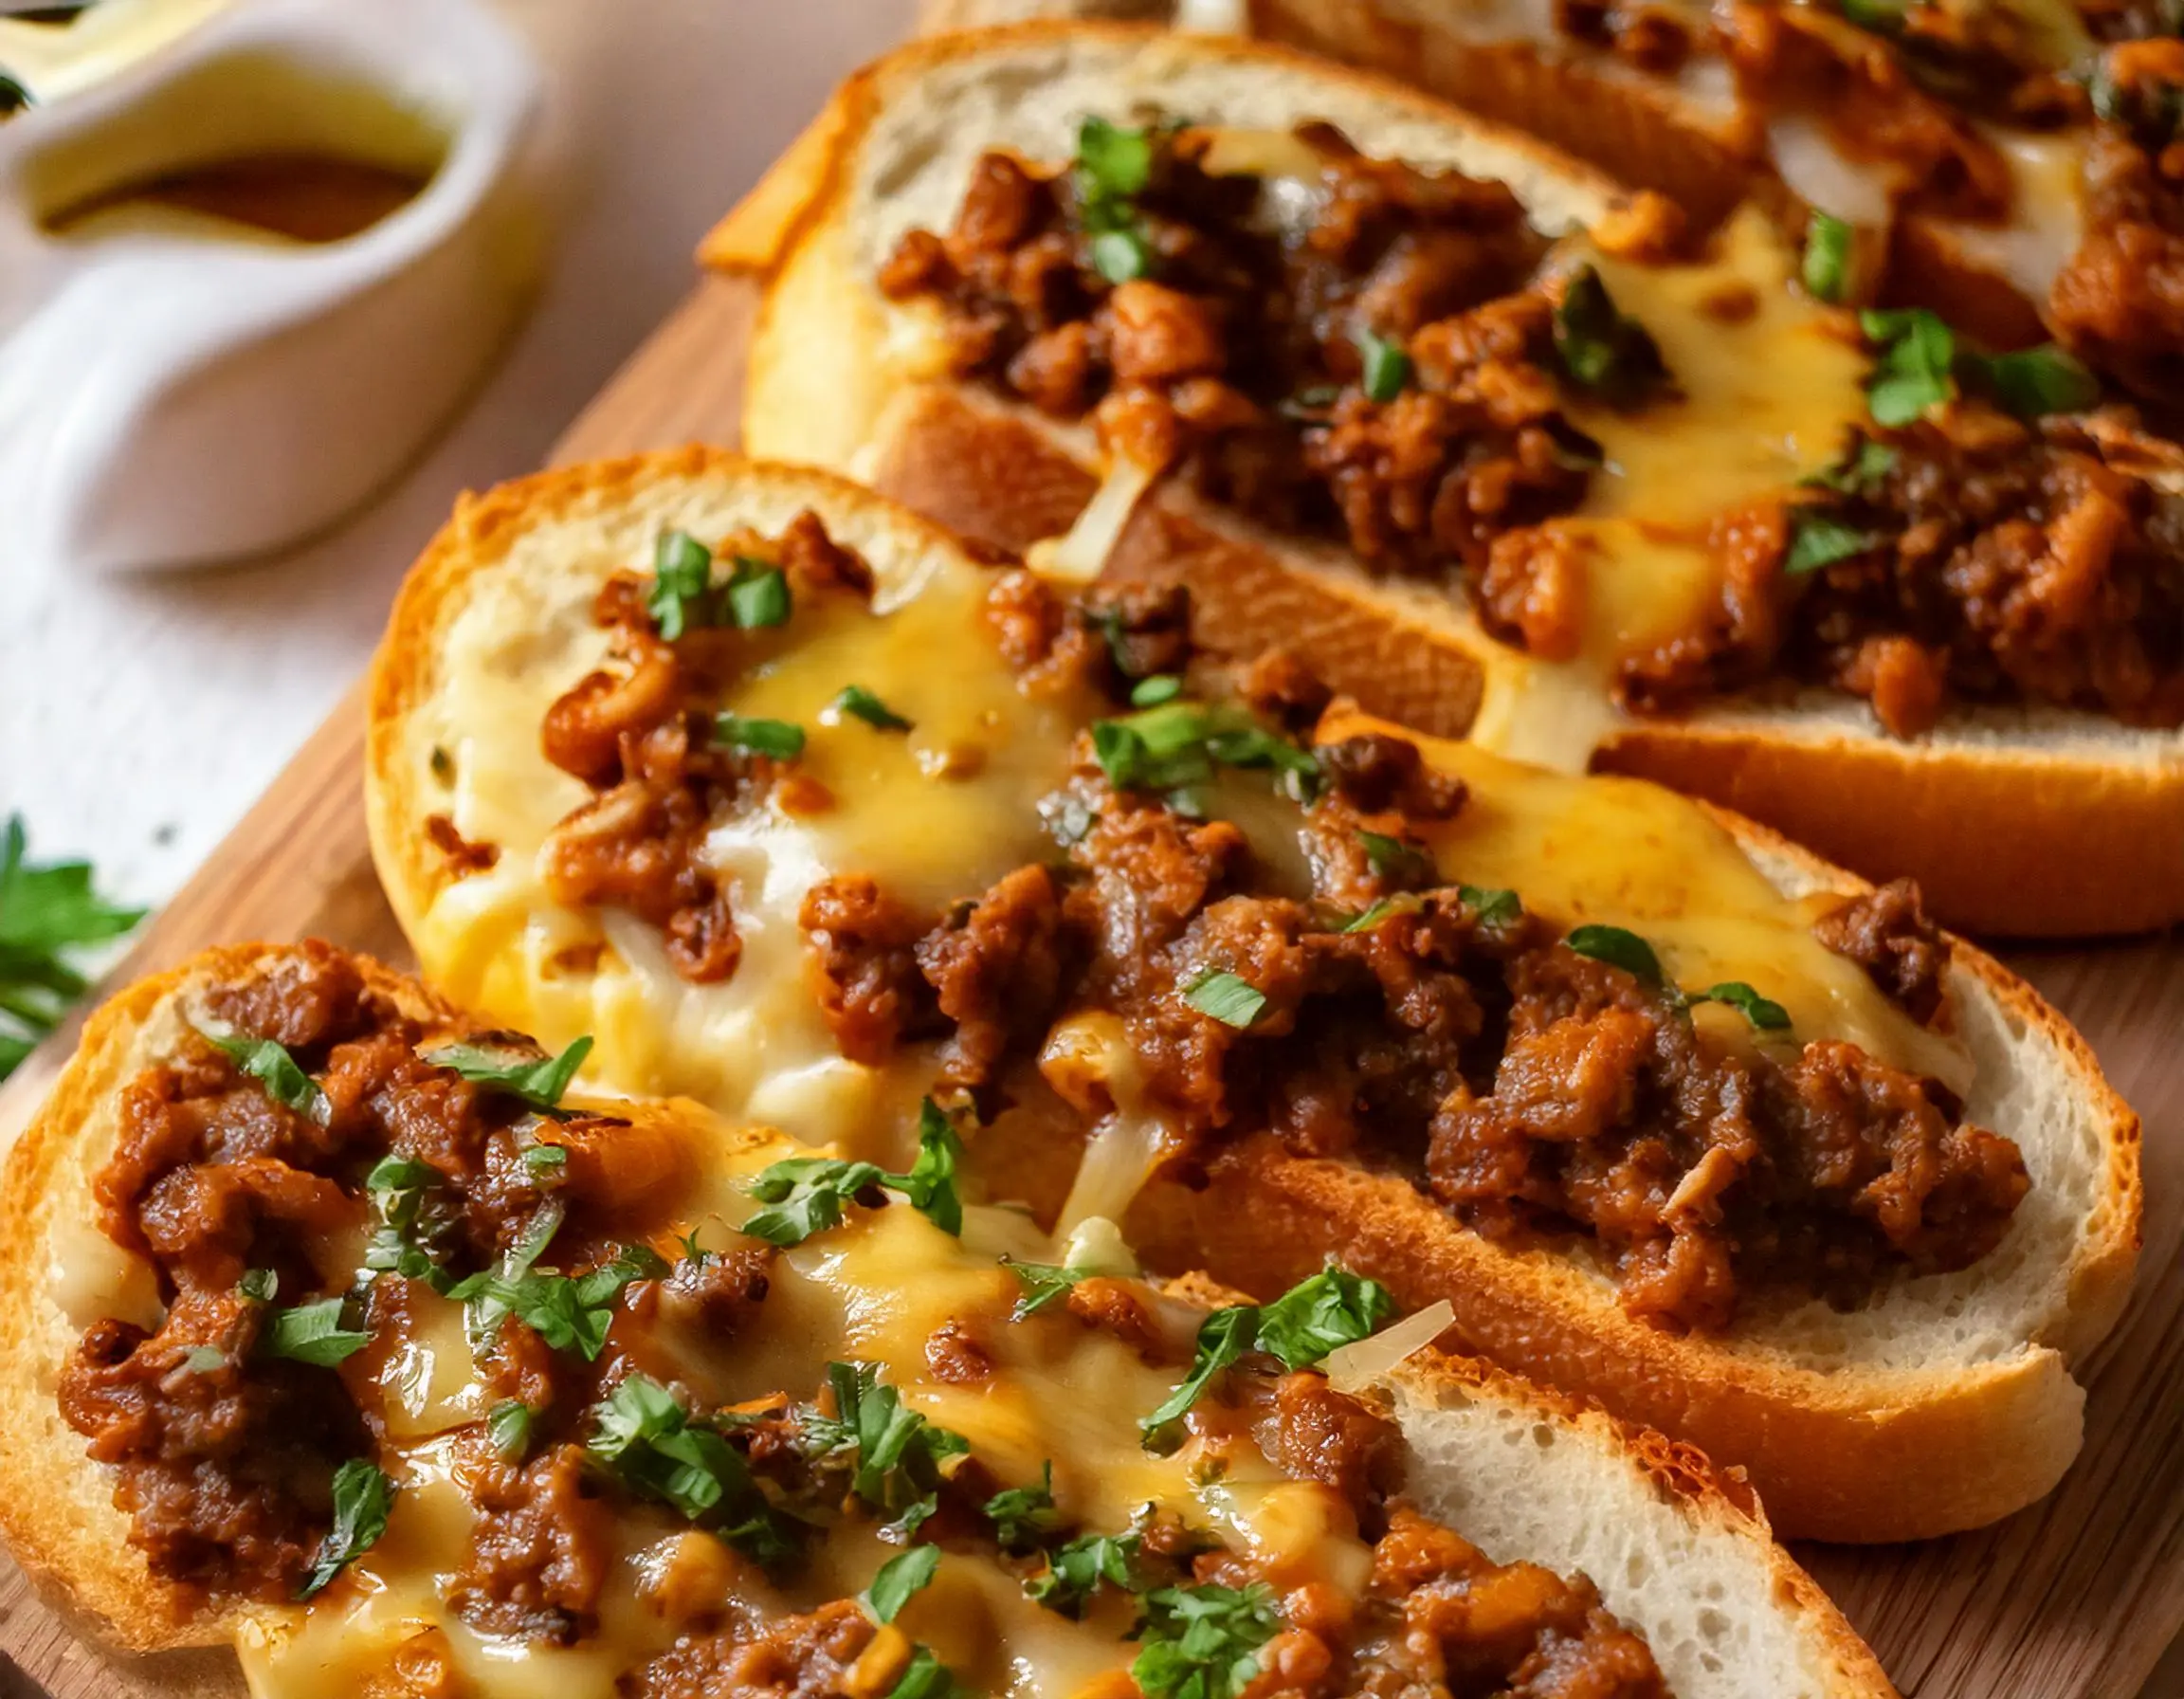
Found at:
[2075, 1599]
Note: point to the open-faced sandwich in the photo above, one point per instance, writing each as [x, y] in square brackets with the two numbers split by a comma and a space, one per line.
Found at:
[1498, 455]
[798, 807]
[337, 1331]
[2003, 160]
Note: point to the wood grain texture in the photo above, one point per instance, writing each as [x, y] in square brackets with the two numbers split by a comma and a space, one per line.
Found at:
[2078, 1597]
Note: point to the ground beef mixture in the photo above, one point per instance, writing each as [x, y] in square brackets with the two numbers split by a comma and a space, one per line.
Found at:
[1460, 1040]
[224, 1462]
[1239, 356]
[640, 732]
[1991, 560]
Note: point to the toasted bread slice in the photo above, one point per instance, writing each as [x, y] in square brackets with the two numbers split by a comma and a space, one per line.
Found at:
[2019, 822]
[1678, 1552]
[1945, 1404]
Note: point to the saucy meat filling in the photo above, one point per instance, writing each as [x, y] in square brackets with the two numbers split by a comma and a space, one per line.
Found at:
[1356, 349]
[1366, 1008]
[245, 1431]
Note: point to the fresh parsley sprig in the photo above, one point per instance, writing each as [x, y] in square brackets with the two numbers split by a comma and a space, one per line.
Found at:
[272, 1066]
[1176, 747]
[1114, 165]
[808, 1195]
[363, 1500]
[646, 1438]
[1077, 1570]
[1203, 1642]
[535, 1083]
[1025, 1518]
[893, 1454]
[1620, 948]
[48, 916]
[1332, 1308]
[1602, 350]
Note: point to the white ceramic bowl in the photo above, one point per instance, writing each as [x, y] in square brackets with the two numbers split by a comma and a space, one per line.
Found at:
[171, 394]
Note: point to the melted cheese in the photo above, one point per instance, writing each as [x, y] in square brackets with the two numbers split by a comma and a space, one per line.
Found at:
[1622, 852]
[1769, 383]
[934, 813]
[877, 1289]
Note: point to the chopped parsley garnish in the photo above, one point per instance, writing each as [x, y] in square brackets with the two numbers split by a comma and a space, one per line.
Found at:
[533, 1082]
[46, 914]
[1879, 17]
[894, 1452]
[1601, 349]
[1619, 948]
[681, 591]
[545, 1160]
[568, 1312]
[400, 1189]
[258, 1286]
[363, 1497]
[1229, 999]
[1203, 1642]
[311, 1333]
[1075, 1571]
[1763, 1012]
[1043, 1283]
[1386, 908]
[775, 737]
[1860, 468]
[1330, 1309]
[1493, 907]
[756, 595]
[1025, 1518]
[1113, 164]
[900, 1578]
[1916, 356]
[1391, 858]
[1152, 692]
[856, 700]
[508, 1426]
[806, 1194]
[1827, 257]
[1177, 745]
[1386, 369]
[2033, 382]
[925, 1678]
[1818, 538]
[273, 1068]
[645, 1439]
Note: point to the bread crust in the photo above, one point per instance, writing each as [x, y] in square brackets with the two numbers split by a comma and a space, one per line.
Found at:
[2030, 835]
[57, 1518]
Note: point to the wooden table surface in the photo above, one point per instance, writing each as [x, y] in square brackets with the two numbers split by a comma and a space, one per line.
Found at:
[2077, 1597]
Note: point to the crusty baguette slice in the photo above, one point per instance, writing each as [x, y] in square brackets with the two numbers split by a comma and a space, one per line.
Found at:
[2022, 823]
[1685, 135]
[1679, 1552]
[1947, 1404]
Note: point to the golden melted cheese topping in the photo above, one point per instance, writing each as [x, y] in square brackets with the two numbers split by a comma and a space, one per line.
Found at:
[1768, 384]
[1623, 852]
[933, 814]
[875, 1289]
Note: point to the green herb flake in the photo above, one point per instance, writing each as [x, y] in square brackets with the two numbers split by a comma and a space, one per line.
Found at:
[644, 1439]
[1178, 745]
[2035, 382]
[1877, 17]
[1025, 1518]
[1331, 1310]
[1391, 858]
[363, 1498]
[508, 1426]
[1202, 1642]
[1223, 1339]
[1763, 1012]
[925, 1678]
[311, 1333]
[930, 1185]
[901, 1578]
[894, 1453]
[273, 1068]
[1619, 948]
[681, 584]
[535, 1083]
[1113, 162]
[1386, 910]
[857, 700]
[567, 1312]
[47, 915]
[1044, 1282]
[1492, 907]
[1818, 538]
[1076, 1570]
[1121, 256]
[1152, 692]
[543, 1161]
[804, 1196]
[756, 595]
[1386, 367]
[1859, 470]
[1227, 997]
[1826, 270]
[1916, 354]
[258, 1286]
[775, 737]
[1600, 349]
